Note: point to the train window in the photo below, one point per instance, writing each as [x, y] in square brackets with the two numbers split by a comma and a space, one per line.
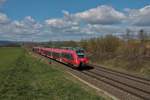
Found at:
[49, 53]
[70, 56]
[63, 55]
[45, 52]
[81, 56]
[79, 51]
[67, 55]
[56, 55]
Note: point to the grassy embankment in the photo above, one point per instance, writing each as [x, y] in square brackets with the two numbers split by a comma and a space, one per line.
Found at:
[25, 78]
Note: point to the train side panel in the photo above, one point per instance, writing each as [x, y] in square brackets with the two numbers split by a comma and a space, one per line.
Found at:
[66, 56]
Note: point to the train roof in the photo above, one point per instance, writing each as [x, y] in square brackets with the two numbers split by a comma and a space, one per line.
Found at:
[72, 48]
[62, 49]
[58, 50]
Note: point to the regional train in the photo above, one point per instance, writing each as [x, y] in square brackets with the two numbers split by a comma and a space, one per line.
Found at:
[72, 56]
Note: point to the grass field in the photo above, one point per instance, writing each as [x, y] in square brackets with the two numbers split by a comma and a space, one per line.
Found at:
[25, 78]
[8, 56]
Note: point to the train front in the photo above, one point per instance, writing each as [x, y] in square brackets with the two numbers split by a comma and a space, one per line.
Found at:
[82, 60]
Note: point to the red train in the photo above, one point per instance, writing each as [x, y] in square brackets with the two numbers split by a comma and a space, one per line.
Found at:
[68, 55]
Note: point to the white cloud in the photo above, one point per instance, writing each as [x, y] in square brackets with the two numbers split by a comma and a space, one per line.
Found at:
[140, 17]
[62, 26]
[75, 23]
[56, 23]
[101, 15]
[60, 23]
[97, 22]
[104, 29]
[93, 22]
[3, 18]
[2, 1]
[25, 29]
[26, 26]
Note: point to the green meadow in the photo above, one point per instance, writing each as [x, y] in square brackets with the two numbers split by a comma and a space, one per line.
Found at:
[23, 77]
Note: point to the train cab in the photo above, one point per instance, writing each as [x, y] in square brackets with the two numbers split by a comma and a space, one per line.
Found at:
[81, 56]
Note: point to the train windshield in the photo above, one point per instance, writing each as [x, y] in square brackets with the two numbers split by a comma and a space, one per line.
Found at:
[81, 55]
[80, 52]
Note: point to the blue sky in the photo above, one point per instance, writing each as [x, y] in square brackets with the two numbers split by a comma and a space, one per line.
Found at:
[71, 19]
[44, 9]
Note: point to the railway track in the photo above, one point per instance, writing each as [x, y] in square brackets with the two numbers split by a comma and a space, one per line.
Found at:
[121, 85]
[133, 85]
[121, 74]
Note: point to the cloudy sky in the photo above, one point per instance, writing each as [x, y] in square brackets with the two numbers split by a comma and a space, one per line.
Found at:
[44, 20]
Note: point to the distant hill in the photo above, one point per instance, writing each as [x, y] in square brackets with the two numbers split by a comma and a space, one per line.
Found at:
[5, 42]
[8, 43]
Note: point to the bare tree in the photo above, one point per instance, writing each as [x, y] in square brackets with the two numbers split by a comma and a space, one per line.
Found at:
[128, 35]
[142, 36]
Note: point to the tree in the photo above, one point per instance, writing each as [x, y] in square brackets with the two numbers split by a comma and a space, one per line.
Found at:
[142, 36]
[128, 35]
